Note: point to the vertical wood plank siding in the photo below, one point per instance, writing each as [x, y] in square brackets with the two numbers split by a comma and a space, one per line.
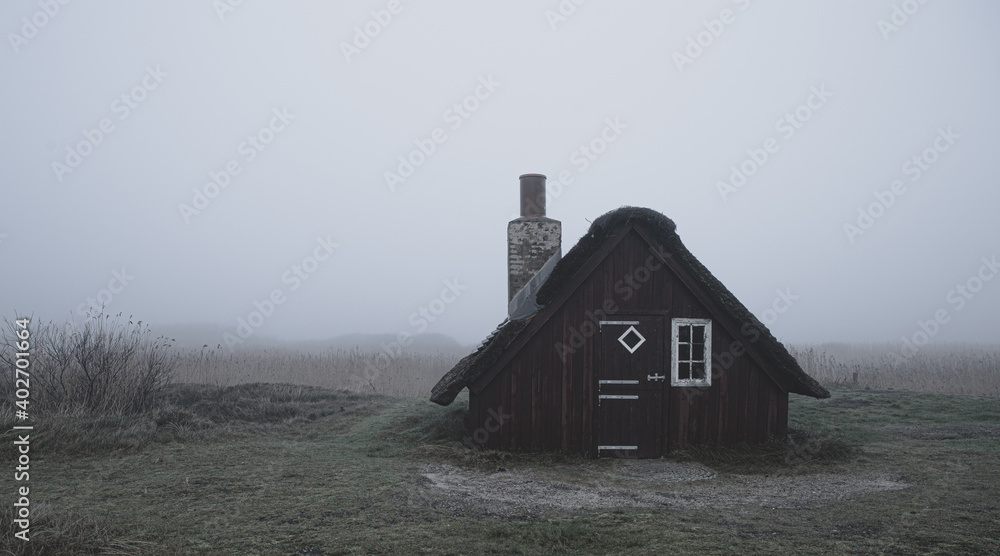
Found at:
[552, 401]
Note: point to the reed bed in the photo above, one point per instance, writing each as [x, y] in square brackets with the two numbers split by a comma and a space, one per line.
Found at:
[393, 374]
[970, 369]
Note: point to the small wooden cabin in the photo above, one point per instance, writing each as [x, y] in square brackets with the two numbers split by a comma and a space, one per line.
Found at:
[625, 347]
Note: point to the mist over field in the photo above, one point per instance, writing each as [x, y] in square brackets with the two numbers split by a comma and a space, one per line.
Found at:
[251, 251]
[301, 171]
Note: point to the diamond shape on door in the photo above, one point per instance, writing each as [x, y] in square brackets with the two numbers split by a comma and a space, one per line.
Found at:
[635, 344]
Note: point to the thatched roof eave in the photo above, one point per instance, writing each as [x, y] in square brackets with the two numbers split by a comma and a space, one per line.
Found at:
[779, 364]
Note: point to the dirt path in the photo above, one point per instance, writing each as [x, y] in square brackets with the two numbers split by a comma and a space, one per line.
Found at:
[641, 483]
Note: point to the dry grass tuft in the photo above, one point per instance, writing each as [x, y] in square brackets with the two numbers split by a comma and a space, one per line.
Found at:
[62, 533]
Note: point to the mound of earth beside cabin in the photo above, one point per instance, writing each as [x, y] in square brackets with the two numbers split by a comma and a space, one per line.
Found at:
[526, 493]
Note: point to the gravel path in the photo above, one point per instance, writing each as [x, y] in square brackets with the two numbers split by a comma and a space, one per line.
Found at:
[635, 483]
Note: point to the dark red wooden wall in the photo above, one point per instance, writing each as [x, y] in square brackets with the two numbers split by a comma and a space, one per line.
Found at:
[547, 403]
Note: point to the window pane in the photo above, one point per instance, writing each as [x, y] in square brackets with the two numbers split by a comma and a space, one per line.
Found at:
[683, 352]
[698, 352]
[684, 332]
[698, 331]
[684, 371]
[698, 371]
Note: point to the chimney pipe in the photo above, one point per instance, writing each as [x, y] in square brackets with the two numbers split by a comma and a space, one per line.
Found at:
[532, 195]
[534, 245]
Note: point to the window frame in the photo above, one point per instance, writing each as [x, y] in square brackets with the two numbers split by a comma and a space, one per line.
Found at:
[675, 380]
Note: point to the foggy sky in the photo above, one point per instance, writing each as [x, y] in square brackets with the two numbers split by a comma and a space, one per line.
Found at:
[301, 118]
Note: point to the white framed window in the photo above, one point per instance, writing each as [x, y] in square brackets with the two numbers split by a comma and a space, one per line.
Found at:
[691, 352]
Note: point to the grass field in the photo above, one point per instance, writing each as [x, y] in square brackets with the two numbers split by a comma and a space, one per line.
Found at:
[277, 469]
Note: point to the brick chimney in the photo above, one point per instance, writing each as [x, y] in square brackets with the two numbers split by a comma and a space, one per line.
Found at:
[534, 246]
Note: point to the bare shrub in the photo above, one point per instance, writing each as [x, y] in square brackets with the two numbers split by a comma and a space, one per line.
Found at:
[109, 366]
